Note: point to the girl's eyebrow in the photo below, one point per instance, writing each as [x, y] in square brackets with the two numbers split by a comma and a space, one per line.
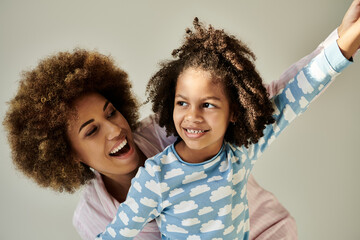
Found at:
[211, 98]
[202, 99]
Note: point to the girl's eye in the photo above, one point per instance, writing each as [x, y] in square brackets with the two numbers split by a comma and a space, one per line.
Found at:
[91, 132]
[208, 105]
[181, 103]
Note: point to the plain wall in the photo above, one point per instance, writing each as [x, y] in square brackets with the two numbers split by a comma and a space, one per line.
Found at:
[313, 168]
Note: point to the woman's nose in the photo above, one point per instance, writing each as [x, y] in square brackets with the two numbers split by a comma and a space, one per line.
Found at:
[113, 130]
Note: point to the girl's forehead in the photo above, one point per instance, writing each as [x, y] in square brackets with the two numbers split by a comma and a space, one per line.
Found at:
[192, 76]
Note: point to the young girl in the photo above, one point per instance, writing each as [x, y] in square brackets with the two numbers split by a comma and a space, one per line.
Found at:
[212, 97]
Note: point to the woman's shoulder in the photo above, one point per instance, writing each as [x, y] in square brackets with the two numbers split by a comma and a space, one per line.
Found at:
[150, 135]
[94, 210]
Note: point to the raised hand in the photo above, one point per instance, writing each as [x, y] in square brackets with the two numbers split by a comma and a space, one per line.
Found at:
[350, 17]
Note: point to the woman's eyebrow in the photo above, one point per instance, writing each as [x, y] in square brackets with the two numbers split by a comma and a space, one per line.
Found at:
[85, 123]
[106, 104]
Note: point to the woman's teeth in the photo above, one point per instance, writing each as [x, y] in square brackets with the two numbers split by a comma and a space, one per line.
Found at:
[119, 147]
[194, 131]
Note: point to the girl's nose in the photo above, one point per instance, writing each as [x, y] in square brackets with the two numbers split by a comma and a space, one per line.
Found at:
[113, 130]
[193, 115]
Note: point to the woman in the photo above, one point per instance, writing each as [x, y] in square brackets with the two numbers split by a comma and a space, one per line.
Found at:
[48, 110]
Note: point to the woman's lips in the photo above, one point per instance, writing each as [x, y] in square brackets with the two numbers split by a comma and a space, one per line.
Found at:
[122, 148]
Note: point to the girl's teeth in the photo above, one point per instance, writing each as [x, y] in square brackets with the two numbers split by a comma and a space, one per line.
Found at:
[119, 147]
[194, 131]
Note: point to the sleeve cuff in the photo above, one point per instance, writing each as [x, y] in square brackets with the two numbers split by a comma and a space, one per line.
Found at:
[335, 58]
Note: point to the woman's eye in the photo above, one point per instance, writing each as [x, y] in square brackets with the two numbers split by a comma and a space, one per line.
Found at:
[91, 131]
[112, 113]
[208, 105]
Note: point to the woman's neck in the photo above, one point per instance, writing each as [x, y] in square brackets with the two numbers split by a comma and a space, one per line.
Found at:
[118, 185]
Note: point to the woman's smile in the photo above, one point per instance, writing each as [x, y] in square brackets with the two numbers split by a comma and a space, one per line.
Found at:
[103, 131]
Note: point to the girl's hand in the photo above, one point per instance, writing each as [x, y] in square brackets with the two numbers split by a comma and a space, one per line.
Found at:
[351, 16]
[349, 41]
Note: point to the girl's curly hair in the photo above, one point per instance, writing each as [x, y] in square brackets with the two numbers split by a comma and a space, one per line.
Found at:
[230, 61]
[38, 115]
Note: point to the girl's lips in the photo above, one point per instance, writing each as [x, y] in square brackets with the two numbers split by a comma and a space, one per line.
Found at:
[194, 133]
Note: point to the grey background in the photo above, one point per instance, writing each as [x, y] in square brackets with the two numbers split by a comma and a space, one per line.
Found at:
[312, 168]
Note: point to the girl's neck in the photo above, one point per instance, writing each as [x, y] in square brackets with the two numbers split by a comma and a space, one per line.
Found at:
[118, 185]
[194, 155]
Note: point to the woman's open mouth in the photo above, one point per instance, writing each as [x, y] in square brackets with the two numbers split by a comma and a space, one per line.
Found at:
[123, 148]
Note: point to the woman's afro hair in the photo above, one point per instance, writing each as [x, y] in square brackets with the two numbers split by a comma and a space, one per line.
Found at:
[37, 118]
[230, 62]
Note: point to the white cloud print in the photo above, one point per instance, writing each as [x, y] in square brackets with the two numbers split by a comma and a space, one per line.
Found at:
[111, 231]
[193, 237]
[132, 204]
[167, 159]
[237, 210]
[190, 222]
[224, 165]
[220, 193]
[205, 210]
[148, 202]
[175, 192]
[164, 187]
[289, 95]
[303, 83]
[138, 219]
[289, 113]
[275, 128]
[153, 186]
[214, 178]
[174, 173]
[243, 191]
[212, 225]
[199, 190]
[276, 110]
[174, 228]
[194, 177]
[229, 230]
[225, 210]
[151, 169]
[185, 206]
[239, 176]
[137, 186]
[303, 102]
[316, 71]
[126, 232]
[124, 218]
